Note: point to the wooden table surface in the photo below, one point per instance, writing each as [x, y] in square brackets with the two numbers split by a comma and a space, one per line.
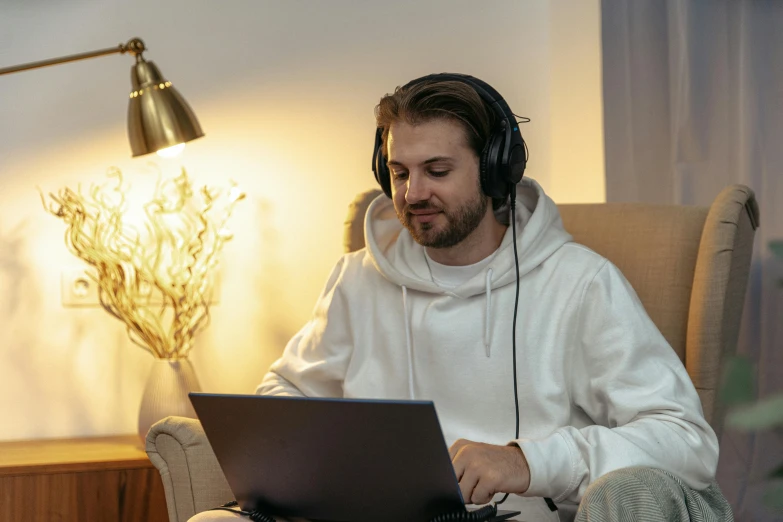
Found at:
[93, 478]
[72, 455]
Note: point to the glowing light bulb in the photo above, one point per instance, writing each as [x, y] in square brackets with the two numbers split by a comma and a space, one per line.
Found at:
[170, 152]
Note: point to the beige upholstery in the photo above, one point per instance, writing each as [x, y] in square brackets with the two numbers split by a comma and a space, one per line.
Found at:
[689, 266]
[191, 475]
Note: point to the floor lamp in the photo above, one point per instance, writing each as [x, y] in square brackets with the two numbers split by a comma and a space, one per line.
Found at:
[159, 118]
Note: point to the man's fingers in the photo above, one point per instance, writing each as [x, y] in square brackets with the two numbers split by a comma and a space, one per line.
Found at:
[459, 467]
[481, 494]
[484, 470]
[454, 449]
[466, 485]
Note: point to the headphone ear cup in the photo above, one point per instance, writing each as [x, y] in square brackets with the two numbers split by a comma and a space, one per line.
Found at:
[379, 167]
[517, 161]
[493, 183]
[484, 167]
[382, 175]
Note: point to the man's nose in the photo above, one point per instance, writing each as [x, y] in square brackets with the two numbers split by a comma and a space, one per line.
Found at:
[418, 189]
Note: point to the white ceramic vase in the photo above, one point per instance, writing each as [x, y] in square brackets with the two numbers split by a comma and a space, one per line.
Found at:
[166, 392]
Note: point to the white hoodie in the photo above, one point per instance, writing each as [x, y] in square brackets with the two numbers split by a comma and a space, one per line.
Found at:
[599, 387]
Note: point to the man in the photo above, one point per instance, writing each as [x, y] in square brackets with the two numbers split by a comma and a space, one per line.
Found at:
[425, 312]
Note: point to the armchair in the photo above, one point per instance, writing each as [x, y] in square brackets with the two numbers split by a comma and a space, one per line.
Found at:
[689, 266]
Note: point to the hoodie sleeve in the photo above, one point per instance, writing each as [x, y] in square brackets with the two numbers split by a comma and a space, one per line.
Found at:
[629, 381]
[315, 360]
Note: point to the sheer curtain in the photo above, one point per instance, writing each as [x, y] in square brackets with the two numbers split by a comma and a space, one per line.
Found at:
[693, 101]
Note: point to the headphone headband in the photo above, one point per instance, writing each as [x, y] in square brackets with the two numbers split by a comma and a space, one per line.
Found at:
[483, 89]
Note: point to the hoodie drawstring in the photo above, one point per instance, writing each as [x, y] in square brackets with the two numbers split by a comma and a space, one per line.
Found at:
[487, 331]
[408, 341]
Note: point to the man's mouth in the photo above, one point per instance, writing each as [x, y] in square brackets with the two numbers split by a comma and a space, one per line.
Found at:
[424, 216]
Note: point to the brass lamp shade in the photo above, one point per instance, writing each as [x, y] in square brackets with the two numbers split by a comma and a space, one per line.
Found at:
[158, 116]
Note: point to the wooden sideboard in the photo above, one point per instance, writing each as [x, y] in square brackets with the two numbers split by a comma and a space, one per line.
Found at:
[87, 479]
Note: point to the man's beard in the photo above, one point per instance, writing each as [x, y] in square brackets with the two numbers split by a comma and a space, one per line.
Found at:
[460, 222]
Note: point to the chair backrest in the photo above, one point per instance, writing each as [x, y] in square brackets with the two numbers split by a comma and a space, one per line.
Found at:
[688, 265]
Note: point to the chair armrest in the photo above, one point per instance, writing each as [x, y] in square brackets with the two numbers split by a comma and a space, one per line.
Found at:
[192, 478]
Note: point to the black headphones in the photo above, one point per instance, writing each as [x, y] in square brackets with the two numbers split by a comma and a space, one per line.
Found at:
[504, 157]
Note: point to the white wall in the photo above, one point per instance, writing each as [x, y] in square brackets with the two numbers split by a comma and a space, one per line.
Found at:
[285, 92]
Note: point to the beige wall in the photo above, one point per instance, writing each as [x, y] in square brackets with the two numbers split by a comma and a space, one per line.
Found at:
[576, 105]
[285, 91]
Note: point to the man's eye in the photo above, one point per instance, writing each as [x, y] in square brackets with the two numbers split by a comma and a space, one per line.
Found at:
[438, 173]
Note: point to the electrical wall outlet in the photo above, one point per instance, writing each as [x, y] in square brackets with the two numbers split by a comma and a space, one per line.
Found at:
[79, 290]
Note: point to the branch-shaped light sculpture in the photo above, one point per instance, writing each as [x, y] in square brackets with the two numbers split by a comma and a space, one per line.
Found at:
[171, 256]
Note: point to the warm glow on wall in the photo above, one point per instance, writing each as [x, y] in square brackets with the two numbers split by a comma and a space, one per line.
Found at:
[288, 110]
[576, 116]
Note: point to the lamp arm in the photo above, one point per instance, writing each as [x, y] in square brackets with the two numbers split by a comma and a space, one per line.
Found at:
[134, 46]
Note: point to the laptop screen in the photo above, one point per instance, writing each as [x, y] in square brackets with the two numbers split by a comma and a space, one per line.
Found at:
[332, 459]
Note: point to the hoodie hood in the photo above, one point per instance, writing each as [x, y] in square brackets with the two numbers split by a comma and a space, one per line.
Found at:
[402, 261]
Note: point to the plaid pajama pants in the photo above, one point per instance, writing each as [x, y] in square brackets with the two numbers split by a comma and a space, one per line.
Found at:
[646, 494]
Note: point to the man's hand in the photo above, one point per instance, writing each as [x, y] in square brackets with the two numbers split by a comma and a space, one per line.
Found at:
[486, 469]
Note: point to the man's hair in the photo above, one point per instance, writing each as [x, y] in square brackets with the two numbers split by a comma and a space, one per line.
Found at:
[435, 100]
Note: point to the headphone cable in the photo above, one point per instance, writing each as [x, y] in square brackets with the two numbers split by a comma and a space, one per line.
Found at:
[513, 201]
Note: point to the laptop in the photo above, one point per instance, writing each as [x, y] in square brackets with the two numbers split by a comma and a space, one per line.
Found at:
[342, 460]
